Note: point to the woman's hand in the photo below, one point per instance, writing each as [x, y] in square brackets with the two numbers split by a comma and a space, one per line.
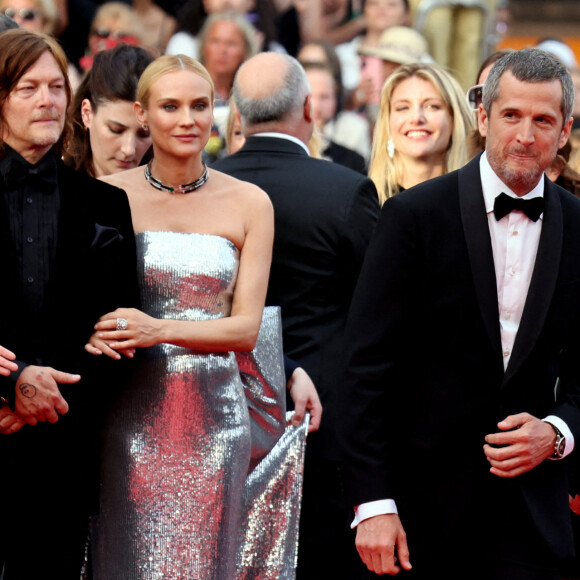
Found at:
[98, 346]
[140, 330]
[6, 364]
[305, 397]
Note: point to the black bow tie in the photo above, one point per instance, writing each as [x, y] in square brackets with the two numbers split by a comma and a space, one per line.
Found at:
[504, 204]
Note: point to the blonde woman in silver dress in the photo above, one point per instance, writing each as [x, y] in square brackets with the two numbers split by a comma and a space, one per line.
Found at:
[177, 443]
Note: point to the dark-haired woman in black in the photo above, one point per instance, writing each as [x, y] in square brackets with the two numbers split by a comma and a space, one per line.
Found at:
[107, 138]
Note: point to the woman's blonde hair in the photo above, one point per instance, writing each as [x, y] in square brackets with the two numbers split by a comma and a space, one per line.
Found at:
[384, 170]
[167, 64]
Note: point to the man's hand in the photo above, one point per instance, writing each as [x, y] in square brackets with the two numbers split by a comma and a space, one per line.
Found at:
[305, 397]
[37, 394]
[526, 442]
[10, 422]
[382, 544]
[6, 364]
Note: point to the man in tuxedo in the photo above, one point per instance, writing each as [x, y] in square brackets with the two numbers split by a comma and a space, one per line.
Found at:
[324, 215]
[462, 384]
[68, 257]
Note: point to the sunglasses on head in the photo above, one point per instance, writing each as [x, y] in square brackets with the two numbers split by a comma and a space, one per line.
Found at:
[106, 33]
[24, 13]
[474, 95]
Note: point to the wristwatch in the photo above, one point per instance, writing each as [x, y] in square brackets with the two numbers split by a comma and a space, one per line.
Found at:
[559, 444]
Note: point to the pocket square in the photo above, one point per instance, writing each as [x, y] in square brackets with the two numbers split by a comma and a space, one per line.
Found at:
[105, 236]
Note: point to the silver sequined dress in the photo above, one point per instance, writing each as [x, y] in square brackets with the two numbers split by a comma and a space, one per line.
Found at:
[177, 444]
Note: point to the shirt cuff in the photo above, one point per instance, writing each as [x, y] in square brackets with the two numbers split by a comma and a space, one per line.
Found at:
[565, 430]
[370, 509]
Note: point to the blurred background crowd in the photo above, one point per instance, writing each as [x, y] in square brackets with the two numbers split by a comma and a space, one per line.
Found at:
[349, 48]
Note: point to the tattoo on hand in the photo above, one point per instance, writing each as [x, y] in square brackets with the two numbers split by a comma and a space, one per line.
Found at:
[28, 390]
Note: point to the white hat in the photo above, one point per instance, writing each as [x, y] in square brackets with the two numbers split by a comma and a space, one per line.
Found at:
[561, 51]
[400, 44]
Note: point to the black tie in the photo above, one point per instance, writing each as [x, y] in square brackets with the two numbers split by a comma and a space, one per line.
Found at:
[504, 204]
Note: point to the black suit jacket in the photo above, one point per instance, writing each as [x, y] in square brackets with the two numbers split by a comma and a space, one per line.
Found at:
[94, 272]
[425, 380]
[324, 215]
[345, 156]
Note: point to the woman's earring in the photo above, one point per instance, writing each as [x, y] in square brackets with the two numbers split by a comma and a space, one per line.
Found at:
[144, 127]
[390, 148]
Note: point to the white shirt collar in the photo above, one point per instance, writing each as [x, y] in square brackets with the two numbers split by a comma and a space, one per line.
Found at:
[492, 185]
[282, 136]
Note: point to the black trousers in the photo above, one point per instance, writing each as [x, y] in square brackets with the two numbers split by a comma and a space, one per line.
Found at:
[46, 494]
[494, 539]
[326, 546]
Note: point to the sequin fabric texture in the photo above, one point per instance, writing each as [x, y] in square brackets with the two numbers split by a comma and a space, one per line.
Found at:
[178, 500]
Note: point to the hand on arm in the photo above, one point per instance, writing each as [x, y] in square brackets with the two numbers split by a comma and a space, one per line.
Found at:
[142, 331]
[382, 544]
[526, 441]
[97, 346]
[6, 364]
[238, 331]
[37, 395]
[305, 397]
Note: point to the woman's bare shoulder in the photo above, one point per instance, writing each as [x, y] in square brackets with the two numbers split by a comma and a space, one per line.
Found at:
[240, 190]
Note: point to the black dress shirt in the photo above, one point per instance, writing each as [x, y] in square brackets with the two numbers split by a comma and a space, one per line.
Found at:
[32, 203]
[31, 199]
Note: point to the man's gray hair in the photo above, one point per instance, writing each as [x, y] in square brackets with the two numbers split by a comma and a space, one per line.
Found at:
[530, 65]
[278, 106]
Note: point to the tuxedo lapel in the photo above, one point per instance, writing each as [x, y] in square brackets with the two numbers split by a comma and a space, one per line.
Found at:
[543, 281]
[476, 230]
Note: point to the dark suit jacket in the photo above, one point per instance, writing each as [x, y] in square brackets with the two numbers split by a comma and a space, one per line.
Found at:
[324, 216]
[345, 156]
[94, 273]
[425, 380]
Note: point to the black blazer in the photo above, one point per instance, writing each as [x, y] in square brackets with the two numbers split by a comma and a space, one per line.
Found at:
[94, 273]
[324, 215]
[345, 156]
[425, 378]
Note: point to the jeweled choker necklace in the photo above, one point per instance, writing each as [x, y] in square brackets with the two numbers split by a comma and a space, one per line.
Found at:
[187, 188]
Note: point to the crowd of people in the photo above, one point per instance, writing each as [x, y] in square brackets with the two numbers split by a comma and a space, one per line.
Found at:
[290, 291]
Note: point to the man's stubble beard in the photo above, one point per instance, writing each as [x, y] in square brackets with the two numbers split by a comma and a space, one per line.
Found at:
[516, 179]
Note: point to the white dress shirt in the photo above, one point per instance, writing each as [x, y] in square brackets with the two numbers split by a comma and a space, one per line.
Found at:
[283, 136]
[514, 241]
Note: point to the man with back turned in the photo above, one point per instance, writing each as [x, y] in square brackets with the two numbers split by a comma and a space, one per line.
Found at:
[324, 216]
